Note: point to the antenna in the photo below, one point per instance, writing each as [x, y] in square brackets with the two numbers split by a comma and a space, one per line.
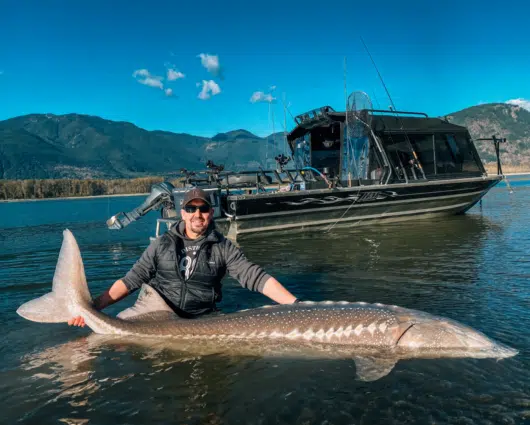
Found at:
[284, 125]
[271, 116]
[393, 108]
[346, 138]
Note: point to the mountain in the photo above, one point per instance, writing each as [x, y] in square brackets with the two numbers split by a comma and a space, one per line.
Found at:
[83, 146]
[501, 120]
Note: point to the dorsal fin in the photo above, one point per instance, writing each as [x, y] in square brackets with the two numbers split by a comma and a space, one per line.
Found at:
[148, 301]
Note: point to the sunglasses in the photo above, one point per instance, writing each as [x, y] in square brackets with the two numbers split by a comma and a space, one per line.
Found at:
[192, 208]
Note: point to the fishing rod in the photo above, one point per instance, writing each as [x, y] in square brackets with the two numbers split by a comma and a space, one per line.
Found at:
[416, 159]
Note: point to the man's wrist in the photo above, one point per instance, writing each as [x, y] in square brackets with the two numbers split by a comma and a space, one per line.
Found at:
[98, 303]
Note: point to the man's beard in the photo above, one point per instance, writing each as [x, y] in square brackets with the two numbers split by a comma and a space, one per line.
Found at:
[199, 226]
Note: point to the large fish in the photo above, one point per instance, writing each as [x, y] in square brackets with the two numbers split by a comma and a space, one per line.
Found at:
[376, 336]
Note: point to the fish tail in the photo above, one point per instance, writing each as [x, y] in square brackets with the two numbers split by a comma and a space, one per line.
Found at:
[69, 290]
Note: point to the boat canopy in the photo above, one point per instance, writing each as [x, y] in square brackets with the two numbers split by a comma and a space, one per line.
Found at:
[381, 124]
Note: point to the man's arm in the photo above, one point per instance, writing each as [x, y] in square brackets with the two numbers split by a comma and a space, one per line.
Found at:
[115, 293]
[253, 277]
[277, 292]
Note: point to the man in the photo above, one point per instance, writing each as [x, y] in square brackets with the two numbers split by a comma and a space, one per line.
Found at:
[187, 263]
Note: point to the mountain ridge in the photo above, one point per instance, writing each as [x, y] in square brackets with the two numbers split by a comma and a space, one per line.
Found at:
[502, 120]
[87, 146]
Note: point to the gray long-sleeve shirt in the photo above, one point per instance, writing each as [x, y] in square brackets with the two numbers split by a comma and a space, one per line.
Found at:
[188, 273]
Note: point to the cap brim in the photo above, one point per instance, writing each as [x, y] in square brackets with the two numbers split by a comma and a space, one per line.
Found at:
[197, 199]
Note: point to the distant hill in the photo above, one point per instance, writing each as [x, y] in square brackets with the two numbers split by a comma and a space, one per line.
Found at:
[82, 146]
[501, 120]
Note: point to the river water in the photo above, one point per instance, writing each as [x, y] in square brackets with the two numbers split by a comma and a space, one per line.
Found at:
[473, 268]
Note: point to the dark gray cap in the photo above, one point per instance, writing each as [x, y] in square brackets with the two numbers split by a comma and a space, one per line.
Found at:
[196, 193]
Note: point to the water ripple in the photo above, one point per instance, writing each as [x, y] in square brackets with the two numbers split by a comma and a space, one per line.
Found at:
[473, 268]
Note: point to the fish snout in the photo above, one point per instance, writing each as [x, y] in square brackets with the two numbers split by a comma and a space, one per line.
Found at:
[452, 339]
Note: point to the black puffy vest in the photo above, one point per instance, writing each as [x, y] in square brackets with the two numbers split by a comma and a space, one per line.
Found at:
[202, 290]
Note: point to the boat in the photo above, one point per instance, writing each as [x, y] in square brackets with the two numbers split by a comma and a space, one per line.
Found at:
[356, 167]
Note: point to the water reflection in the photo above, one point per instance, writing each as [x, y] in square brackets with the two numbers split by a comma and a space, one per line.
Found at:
[394, 264]
[136, 379]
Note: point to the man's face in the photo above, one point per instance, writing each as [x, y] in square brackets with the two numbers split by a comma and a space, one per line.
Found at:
[197, 221]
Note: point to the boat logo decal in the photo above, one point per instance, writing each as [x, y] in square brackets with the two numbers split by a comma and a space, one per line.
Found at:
[355, 198]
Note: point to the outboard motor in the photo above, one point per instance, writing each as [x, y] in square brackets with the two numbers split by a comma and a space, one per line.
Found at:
[159, 197]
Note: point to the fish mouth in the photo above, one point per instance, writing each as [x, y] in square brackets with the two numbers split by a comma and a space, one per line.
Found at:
[501, 351]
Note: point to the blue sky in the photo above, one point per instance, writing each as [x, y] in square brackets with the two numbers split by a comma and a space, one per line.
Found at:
[113, 58]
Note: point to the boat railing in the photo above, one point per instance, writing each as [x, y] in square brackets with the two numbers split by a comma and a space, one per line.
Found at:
[392, 112]
[167, 221]
[248, 178]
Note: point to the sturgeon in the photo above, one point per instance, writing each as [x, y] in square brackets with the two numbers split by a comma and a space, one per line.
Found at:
[376, 336]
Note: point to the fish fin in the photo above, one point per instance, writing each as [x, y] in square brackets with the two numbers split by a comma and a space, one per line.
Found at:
[371, 369]
[69, 288]
[149, 301]
[46, 309]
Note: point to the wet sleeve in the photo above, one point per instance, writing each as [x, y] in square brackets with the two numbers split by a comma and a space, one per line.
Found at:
[144, 269]
[248, 274]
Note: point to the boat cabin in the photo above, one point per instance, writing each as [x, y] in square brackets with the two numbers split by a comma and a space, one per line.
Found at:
[370, 147]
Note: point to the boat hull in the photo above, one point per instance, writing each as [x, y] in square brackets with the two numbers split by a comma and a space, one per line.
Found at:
[349, 207]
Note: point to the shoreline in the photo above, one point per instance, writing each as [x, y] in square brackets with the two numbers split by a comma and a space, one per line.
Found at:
[72, 197]
[142, 194]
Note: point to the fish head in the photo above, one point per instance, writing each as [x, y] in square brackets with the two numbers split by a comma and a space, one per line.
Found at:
[440, 337]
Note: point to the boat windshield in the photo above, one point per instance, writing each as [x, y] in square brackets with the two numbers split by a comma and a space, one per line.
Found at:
[302, 152]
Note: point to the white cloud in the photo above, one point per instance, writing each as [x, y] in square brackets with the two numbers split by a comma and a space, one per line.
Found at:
[259, 96]
[169, 92]
[210, 62]
[173, 74]
[141, 73]
[143, 76]
[209, 88]
[523, 103]
[152, 82]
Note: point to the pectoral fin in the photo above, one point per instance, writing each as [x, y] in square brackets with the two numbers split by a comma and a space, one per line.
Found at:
[371, 369]
[148, 303]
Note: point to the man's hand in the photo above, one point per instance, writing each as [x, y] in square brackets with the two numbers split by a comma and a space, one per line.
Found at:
[77, 321]
[115, 293]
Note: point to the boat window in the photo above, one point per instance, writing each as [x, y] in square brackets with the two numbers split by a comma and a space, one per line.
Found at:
[438, 154]
[447, 161]
[325, 148]
[454, 148]
[424, 146]
[400, 155]
[467, 156]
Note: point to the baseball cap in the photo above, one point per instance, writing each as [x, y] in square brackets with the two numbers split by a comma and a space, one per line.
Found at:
[196, 193]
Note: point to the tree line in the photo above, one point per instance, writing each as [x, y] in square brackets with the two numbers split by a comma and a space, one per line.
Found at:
[63, 188]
